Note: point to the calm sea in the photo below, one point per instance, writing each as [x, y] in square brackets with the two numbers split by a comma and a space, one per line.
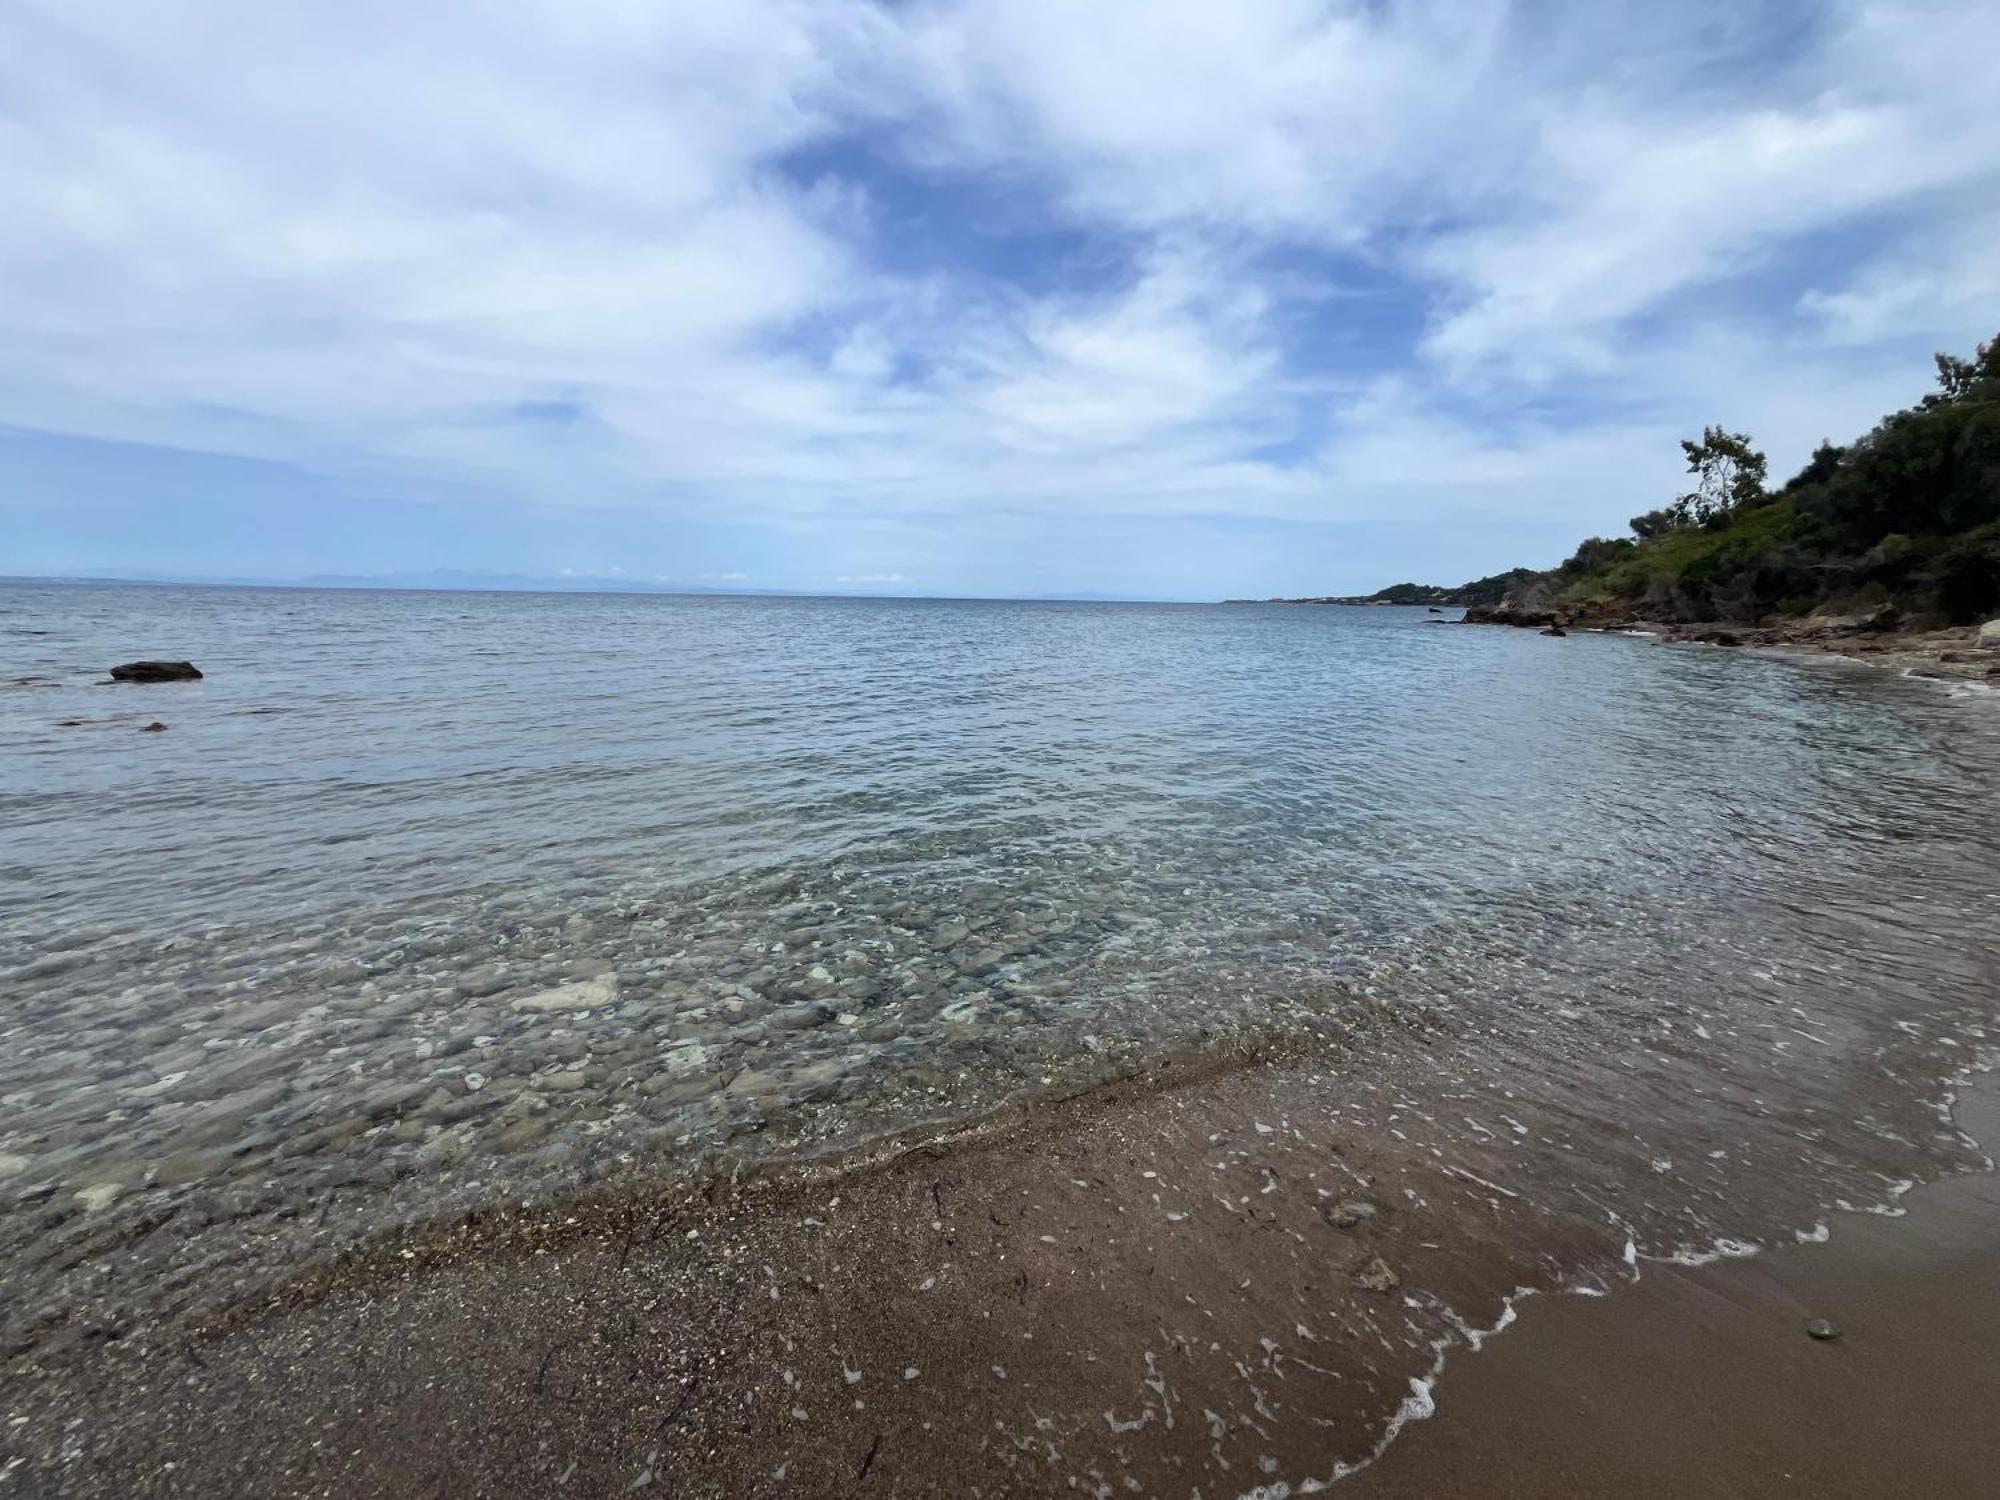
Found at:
[423, 898]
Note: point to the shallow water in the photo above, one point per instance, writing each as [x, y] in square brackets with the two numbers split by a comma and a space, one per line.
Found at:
[426, 899]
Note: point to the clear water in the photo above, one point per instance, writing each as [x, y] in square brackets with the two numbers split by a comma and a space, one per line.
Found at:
[425, 898]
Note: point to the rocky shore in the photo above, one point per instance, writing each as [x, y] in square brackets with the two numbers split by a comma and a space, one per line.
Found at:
[1236, 1276]
[1962, 653]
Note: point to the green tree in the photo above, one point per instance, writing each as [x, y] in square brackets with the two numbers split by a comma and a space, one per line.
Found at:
[1656, 522]
[1821, 467]
[1729, 475]
[1966, 379]
[1956, 377]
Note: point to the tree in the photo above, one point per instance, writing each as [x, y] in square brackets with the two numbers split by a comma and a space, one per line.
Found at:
[1821, 467]
[1594, 556]
[1656, 522]
[1960, 379]
[1956, 376]
[1729, 476]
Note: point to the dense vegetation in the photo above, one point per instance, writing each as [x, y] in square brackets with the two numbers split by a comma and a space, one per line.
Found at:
[1479, 591]
[1907, 515]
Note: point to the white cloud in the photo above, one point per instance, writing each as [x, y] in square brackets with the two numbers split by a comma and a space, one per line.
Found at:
[1283, 116]
[359, 239]
[1942, 281]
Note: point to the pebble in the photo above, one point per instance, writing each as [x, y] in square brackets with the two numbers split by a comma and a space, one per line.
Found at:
[1350, 1213]
[99, 1195]
[476, 983]
[1378, 1276]
[580, 994]
[1820, 1328]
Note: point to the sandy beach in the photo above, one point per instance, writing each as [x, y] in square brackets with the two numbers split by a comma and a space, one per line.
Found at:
[1205, 1285]
[1704, 1381]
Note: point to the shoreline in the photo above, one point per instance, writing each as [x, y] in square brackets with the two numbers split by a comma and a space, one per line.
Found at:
[1704, 1379]
[1951, 654]
[1002, 1309]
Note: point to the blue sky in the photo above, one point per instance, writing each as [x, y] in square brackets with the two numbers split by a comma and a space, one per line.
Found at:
[1162, 299]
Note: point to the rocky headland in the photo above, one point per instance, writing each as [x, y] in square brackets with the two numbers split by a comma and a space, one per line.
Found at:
[1963, 653]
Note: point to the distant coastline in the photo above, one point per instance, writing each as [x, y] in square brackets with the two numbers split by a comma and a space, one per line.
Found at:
[1479, 591]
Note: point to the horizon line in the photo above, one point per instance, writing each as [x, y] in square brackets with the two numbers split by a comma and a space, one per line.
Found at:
[496, 583]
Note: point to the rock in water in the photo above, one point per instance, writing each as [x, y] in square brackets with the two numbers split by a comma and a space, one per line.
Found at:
[156, 671]
[156, 727]
[578, 994]
[1820, 1328]
[1555, 630]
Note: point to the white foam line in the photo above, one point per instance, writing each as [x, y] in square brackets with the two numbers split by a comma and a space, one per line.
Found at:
[1720, 1250]
[1474, 1177]
[1421, 1403]
[1418, 1406]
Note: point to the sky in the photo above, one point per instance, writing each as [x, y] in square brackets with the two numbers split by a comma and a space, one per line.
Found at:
[1151, 298]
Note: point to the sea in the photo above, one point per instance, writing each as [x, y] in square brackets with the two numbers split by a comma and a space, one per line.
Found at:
[421, 901]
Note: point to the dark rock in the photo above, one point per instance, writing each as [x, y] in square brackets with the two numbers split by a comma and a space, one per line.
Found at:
[156, 727]
[1820, 1328]
[156, 671]
[1555, 630]
[1434, 610]
[1883, 617]
[1511, 612]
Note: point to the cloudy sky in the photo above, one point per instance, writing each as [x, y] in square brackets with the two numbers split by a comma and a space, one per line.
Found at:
[1168, 298]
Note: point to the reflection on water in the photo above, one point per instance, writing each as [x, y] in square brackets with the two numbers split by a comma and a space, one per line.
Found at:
[427, 898]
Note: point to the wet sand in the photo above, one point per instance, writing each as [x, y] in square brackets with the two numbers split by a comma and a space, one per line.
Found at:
[1704, 1382]
[1164, 1287]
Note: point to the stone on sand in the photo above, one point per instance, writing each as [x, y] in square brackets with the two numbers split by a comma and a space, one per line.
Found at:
[1377, 1276]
